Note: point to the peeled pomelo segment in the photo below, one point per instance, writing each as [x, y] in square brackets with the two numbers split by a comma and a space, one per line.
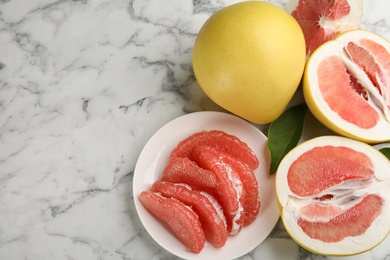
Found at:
[209, 211]
[323, 167]
[322, 21]
[345, 85]
[251, 201]
[183, 221]
[220, 140]
[229, 191]
[183, 170]
[351, 223]
[345, 209]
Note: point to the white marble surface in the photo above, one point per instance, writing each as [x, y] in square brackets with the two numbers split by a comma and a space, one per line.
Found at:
[83, 86]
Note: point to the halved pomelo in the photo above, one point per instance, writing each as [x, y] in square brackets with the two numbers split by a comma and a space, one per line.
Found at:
[220, 140]
[229, 191]
[321, 21]
[181, 219]
[346, 85]
[204, 205]
[334, 195]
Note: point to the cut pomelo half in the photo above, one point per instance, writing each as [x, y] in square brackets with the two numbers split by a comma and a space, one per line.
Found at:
[220, 140]
[334, 195]
[229, 191]
[321, 21]
[181, 219]
[204, 205]
[346, 85]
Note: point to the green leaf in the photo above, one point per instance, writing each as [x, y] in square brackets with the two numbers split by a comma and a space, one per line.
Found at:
[386, 152]
[284, 134]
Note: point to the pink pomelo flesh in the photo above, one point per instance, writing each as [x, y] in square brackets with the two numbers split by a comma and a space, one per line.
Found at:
[184, 170]
[340, 91]
[353, 222]
[365, 61]
[323, 167]
[374, 60]
[309, 15]
[220, 140]
[229, 191]
[251, 202]
[319, 212]
[183, 222]
[213, 224]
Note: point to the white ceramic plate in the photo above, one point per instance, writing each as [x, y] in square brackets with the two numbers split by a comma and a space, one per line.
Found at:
[154, 158]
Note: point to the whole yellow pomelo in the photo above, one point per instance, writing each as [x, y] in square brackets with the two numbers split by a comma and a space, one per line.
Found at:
[249, 58]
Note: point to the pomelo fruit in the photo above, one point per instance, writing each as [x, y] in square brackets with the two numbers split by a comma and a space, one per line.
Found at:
[334, 195]
[204, 205]
[249, 58]
[321, 21]
[220, 140]
[181, 219]
[346, 85]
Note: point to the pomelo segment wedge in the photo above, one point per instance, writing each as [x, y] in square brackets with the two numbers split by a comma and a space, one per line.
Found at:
[334, 195]
[251, 200]
[321, 21]
[204, 205]
[229, 191]
[182, 220]
[346, 85]
[184, 170]
[220, 140]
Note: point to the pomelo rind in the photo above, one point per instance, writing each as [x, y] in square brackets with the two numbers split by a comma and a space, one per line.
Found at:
[315, 101]
[373, 236]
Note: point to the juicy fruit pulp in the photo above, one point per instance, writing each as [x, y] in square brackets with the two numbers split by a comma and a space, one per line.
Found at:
[322, 21]
[213, 224]
[334, 197]
[183, 221]
[346, 85]
[184, 170]
[229, 190]
[220, 140]
[211, 173]
[238, 52]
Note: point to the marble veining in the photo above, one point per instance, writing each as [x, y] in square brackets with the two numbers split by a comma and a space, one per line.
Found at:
[83, 85]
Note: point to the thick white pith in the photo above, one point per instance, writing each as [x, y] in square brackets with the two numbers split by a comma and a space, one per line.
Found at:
[342, 197]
